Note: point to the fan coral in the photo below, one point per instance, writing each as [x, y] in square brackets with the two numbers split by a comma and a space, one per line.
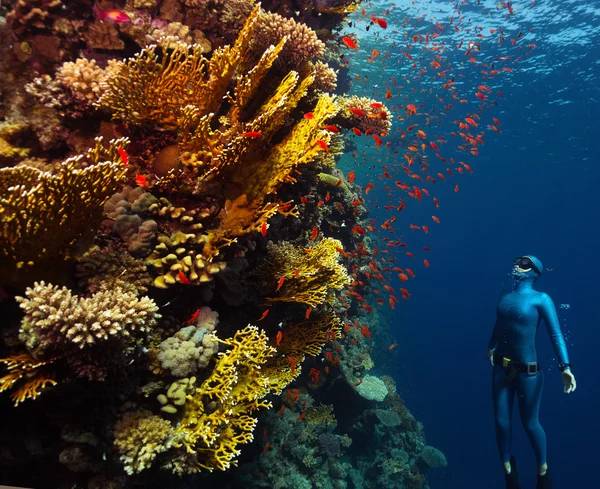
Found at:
[219, 415]
[139, 437]
[54, 317]
[192, 347]
[43, 214]
[24, 367]
[310, 274]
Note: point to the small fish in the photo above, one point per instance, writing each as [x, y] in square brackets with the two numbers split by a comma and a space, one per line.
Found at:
[456, 188]
[141, 180]
[264, 315]
[124, 156]
[279, 283]
[266, 448]
[300, 417]
[356, 111]
[307, 314]
[356, 131]
[309, 115]
[392, 346]
[323, 145]
[332, 129]
[183, 279]
[252, 134]
[426, 263]
[435, 219]
[292, 364]
[351, 176]
[278, 338]
[349, 42]
[194, 316]
[263, 229]
[113, 15]
[314, 233]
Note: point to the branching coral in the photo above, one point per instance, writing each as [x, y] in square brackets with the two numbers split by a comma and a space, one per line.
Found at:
[218, 417]
[25, 368]
[139, 437]
[55, 318]
[82, 78]
[310, 274]
[43, 214]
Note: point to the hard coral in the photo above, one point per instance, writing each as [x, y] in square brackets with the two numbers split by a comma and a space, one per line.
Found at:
[139, 437]
[310, 275]
[43, 214]
[82, 78]
[376, 120]
[32, 15]
[55, 318]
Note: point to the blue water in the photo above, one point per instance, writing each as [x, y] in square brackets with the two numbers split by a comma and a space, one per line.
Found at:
[533, 191]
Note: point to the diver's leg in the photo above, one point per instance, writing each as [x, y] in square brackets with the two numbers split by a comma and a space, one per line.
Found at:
[529, 394]
[503, 406]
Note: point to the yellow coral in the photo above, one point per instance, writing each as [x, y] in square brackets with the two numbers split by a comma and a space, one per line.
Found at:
[310, 336]
[155, 87]
[24, 367]
[218, 415]
[309, 274]
[43, 214]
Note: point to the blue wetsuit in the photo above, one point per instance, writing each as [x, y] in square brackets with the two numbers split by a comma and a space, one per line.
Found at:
[518, 316]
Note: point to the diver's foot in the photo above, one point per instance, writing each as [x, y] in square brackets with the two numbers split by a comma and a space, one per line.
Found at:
[544, 481]
[512, 479]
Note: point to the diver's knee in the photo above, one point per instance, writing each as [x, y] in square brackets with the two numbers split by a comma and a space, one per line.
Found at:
[502, 425]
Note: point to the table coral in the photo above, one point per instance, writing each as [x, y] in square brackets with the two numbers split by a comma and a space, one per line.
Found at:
[43, 214]
[310, 275]
[139, 437]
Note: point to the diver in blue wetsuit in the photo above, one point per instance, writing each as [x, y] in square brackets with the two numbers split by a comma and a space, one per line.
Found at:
[512, 353]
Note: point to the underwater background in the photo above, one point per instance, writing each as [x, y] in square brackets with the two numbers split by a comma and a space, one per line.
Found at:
[376, 371]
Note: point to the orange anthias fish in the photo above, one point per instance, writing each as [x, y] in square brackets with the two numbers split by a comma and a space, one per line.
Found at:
[365, 332]
[184, 280]
[264, 315]
[323, 145]
[263, 229]
[279, 283]
[252, 134]
[278, 338]
[392, 346]
[356, 131]
[332, 128]
[193, 318]
[350, 43]
[314, 233]
[351, 176]
[309, 115]
[356, 111]
[124, 156]
[307, 314]
[113, 15]
[141, 180]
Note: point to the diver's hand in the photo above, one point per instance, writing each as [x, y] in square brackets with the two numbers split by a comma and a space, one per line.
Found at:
[569, 382]
[491, 356]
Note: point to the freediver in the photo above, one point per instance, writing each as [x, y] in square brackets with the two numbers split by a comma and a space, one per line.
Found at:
[512, 353]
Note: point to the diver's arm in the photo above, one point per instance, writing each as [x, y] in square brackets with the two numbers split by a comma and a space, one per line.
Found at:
[492, 345]
[550, 317]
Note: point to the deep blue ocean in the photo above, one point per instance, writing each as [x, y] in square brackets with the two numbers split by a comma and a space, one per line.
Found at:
[533, 191]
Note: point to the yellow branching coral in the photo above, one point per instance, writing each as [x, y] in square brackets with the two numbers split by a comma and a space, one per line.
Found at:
[139, 437]
[43, 214]
[153, 86]
[310, 336]
[309, 274]
[218, 416]
[26, 368]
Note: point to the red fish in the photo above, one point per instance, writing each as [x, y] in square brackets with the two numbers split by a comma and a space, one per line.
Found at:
[349, 42]
[263, 229]
[380, 22]
[279, 283]
[141, 180]
[183, 279]
[356, 131]
[351, 176]
[266, 448]
[365, 332]
[307, 314]
[278, 338]
[124, 156]
[323, 145]
[332, 129]
[314, 233]
[356, 111]
[426, 263]
[113, 15]
[252, 134]
[264, 315]
[309, 115]
[456, 188]
[435, 219]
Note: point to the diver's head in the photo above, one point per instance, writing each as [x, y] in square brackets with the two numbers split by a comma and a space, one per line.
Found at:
[527, 267]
